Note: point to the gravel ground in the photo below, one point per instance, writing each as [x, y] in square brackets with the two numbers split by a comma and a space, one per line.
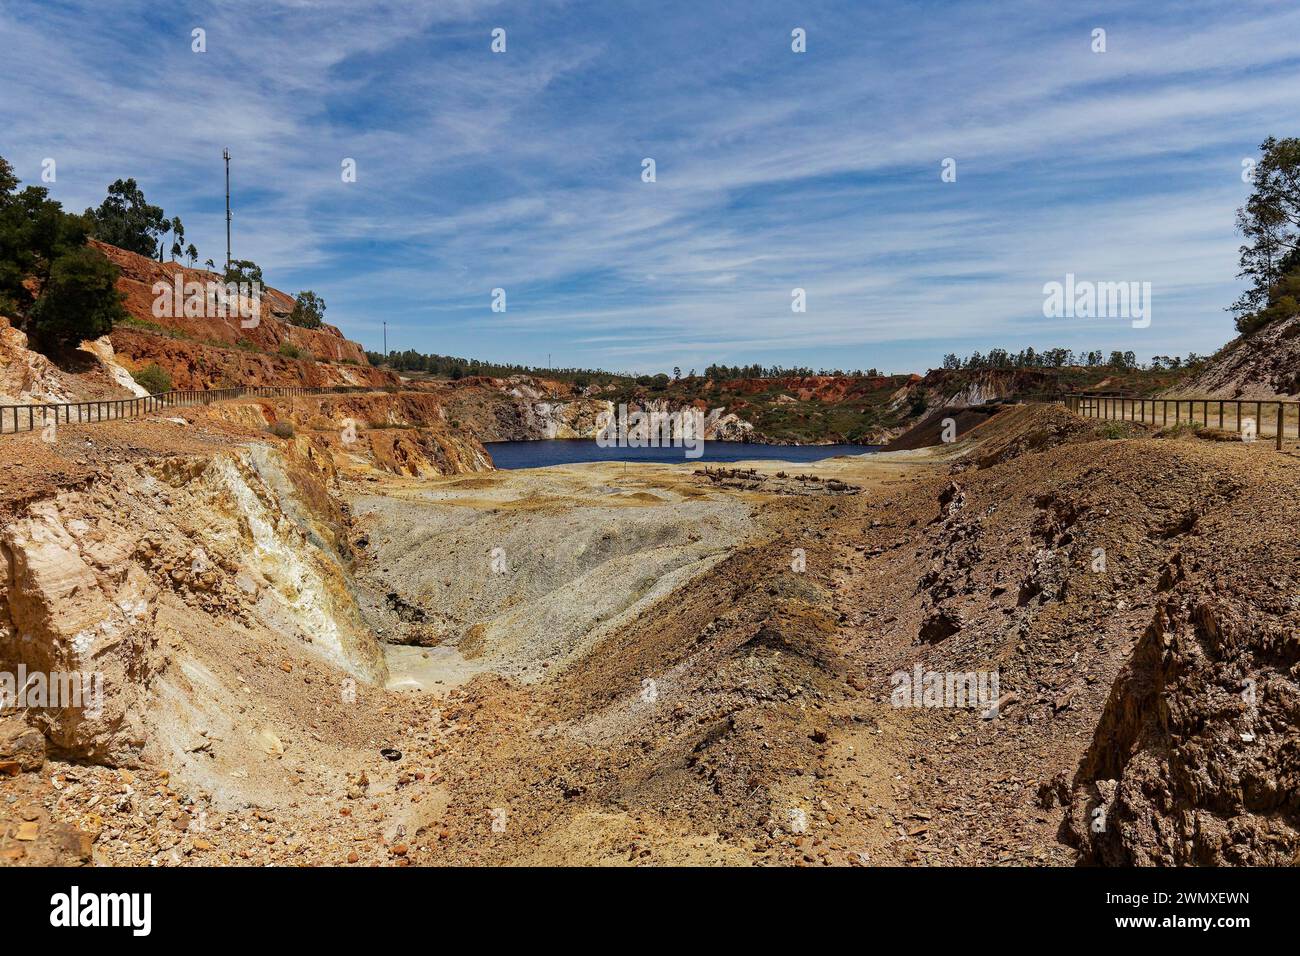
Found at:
[743, 713]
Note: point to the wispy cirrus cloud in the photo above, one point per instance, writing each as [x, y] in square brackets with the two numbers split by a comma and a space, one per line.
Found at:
[775, 170]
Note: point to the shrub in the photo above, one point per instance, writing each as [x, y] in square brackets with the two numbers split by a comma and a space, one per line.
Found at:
[154, 378]
[80, 301]
[1113, 430]
[289, 350]
[1179, 430]
[1284, 303]
[281, 429]
[308, 310]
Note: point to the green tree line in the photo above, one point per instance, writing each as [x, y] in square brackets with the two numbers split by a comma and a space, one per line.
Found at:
[453, 367]
[1067, 358]
[56, 288]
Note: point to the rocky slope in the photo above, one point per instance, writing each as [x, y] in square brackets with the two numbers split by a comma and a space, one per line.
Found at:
[664, 668]
[268, 331]
[113, 575]
[211, 351]
[1146, 642]
[1264, 364]
[197, 352]
[194, 364]
[827, 409]
[949, 388]
[749, 716]
[524, 408]
[203, 570]
[27, 377]
[405, 433]
[527, 584]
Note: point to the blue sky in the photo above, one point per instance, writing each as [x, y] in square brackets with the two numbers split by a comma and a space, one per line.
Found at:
[775, 170]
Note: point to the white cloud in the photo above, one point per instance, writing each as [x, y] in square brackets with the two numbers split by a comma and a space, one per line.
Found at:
[821, 171]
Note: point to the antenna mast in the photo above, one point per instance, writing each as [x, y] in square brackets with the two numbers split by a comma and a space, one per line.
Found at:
[225, 154]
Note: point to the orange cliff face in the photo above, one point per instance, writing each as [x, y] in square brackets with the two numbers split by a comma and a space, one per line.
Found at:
[214, 351]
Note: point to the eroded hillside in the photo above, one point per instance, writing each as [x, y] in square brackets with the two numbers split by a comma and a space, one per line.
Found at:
[646, 665]
[1260, 365]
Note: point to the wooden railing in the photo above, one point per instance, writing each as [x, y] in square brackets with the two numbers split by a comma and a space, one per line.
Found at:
[16, 418]
[1270, 416]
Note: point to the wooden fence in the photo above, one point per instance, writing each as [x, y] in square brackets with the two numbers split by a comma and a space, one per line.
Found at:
[16, 418]
[1270, 417]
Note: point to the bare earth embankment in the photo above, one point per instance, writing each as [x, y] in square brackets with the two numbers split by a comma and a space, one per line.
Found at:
[640, 664]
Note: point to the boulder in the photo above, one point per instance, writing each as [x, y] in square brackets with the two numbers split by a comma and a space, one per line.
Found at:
[20, 745]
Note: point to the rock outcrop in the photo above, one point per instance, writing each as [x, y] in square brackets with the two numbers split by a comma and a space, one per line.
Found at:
[194, 364]
[28, 377]
[405, 433]
[1192, 762]
[270, 330]
[106, 583]
[1264, 364]
[522, 408]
